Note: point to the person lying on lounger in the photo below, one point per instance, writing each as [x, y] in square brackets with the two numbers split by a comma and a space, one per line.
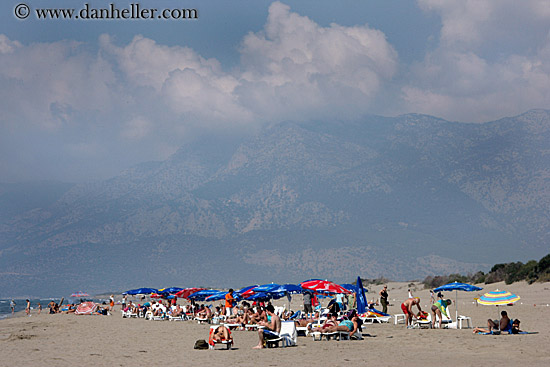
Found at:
[220, 334]
[330, 322]
[350, 326]
[306, 322]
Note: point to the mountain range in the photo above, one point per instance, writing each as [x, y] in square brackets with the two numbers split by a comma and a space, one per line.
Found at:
[399, 197]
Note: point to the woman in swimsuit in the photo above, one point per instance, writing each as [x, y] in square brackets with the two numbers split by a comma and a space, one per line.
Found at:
[351, 326]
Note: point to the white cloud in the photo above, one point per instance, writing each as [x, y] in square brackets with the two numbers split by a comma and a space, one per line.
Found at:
[296, 68]
[43, 83]
[462, 80]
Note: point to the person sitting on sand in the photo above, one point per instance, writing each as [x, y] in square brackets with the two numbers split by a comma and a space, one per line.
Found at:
[502, 325]
[439, 308]
[54, 307]
[271, 328]
[407, 309]
[515, 327]
[514, 330]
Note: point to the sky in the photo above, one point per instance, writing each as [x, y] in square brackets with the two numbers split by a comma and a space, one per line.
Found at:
[83, 99]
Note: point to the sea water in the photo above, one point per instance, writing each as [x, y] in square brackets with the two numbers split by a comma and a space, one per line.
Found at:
[20, 304]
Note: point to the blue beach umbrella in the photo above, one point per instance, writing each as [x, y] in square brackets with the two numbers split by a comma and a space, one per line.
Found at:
[202, 295]
[265, 287]
[456, 286]
[169, 290]
[216, 296]
[133, 292]
[360, 296]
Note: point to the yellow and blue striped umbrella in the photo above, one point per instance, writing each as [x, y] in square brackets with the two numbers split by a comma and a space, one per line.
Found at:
[496, 298]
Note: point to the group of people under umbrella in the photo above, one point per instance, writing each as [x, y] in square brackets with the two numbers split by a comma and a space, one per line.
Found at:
[259, 292]
[318, 287]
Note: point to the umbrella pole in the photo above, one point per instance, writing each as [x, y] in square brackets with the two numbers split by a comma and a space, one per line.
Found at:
[456, 306]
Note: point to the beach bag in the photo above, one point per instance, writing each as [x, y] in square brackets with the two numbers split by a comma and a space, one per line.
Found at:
[201, 344]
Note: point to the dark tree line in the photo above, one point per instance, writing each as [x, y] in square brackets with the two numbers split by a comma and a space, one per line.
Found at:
[532, 271]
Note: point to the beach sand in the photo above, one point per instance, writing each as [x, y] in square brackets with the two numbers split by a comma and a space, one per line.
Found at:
[69, 340]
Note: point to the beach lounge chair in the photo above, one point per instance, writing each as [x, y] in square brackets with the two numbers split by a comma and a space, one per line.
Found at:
[424, 321]
[288, 336]
[212, 343]
[374, 316]
[446, 321]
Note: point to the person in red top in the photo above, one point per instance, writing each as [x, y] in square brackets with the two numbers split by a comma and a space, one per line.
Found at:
[229, 303]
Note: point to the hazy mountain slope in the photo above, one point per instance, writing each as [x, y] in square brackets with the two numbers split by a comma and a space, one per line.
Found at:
[401, 197]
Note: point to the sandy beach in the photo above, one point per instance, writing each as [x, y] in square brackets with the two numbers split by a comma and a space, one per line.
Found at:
[68, 340]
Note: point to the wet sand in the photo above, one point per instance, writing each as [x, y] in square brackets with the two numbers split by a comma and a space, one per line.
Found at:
[68, 340]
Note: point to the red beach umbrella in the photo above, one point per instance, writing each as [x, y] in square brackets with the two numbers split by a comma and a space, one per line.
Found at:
[324, 286]
[187, 292]
[85, 308]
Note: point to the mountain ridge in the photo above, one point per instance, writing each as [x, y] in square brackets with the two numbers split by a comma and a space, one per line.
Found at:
[400, 197]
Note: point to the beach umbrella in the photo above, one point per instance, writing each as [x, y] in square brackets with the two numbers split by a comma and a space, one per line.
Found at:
[170, 290]
[80, 294]
[216, 296]
[85, 308]
[498, 298]
[133, 292]
[276, 288]
[185, 293]
[203, 294]
[361, 299]
[246, 291]
[263, 296]
[324, 286]
[265, 287]
[456, 286]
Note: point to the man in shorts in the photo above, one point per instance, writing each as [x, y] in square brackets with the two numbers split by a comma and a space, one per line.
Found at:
[271, 328]
[407, 306]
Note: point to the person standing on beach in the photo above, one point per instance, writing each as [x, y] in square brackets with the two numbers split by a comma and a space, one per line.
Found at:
[39, 308]
[308, 308]
[384, 299]
[111, 303]
[229, 303]
[124, 301]
[28, 308]
[12, 306]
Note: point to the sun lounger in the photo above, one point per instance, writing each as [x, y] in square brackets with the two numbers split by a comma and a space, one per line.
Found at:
[335, 335]
[288, 336]
[201, 320]
[176, 318]
[227, 343]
